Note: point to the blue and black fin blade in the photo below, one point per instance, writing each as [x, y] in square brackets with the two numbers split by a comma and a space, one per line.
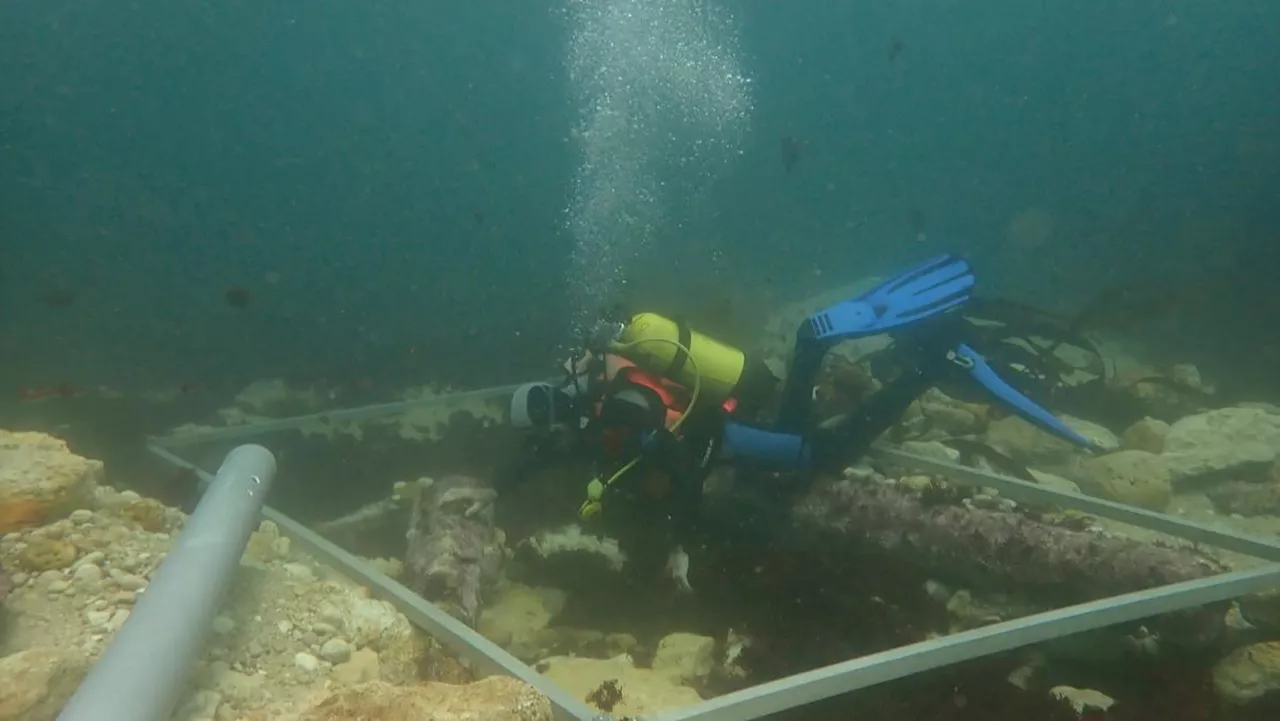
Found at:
[922, 292]
[982, 372]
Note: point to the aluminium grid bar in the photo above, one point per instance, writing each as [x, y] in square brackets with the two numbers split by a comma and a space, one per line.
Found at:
[345, 414]
[836, 679]
[480, 651]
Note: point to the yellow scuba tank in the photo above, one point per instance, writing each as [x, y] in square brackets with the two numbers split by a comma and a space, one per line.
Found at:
[719, 366]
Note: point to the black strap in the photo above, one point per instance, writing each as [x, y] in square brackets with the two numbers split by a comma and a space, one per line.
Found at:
[681, 357]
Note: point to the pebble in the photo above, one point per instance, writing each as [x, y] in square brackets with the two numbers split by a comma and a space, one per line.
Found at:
[92, 558]
[328, 613]
[323, 629]
[97, 618]
[335, 650]
[88, 574]
[299, 571]
[306, 662]
[81, 516]
[127, 581]
[59, 586]
[280, 547]
[223, 625]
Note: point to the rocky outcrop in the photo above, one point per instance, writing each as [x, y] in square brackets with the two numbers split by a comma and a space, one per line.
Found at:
[1248, 673]
[1028, 444]
[643, 691]
[294, 640]
[1147, 435]
[1133, 477]
[41, 480]
[1228, 442]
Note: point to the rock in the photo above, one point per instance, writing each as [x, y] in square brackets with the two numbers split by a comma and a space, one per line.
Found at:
[644, 691]
[362, 667]
[223, 626]
[1147, 435]
[305, 662]
[87, 575]
[37, 682]
[931, 449]
[1083, 700]
[1101, 436]
[1223, 441]
[335, 650]
[1248, 673]
[1137, 478]
[202, 704]
[42, 480]
[519, 612]
[496, 698]
[1031, 446]
[1262, 610]
[685, 658]
[45, 554]
[1056, 482]
[1245, 498]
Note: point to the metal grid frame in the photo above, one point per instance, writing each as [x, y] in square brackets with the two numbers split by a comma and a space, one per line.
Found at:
[803, 688]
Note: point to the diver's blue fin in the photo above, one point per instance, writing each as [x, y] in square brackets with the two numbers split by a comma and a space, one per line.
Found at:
[981, 371]
[932, 288]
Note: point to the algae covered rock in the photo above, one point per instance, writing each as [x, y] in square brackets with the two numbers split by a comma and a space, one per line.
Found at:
[41, 480]
[1136, 478]
[1224, 441]
[37, 682]
[1147, 435]
[1248, 673]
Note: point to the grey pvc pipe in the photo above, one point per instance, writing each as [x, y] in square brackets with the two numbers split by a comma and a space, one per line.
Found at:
[142, 673]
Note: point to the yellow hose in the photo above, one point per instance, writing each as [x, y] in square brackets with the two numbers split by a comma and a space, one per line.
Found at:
[596, 488]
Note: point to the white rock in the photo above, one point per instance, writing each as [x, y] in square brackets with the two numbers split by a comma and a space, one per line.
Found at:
[299, 571]
[223, 625]
[306, 663]
[97, 618]
[81, 516]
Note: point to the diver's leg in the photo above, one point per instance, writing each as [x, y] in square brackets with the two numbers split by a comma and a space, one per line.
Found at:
[923, 293]
[922, 358]
[797, 392]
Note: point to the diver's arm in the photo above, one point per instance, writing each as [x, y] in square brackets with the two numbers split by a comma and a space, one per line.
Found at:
[686, 462]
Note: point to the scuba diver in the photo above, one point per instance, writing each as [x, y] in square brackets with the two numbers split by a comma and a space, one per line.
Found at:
[655, 404]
